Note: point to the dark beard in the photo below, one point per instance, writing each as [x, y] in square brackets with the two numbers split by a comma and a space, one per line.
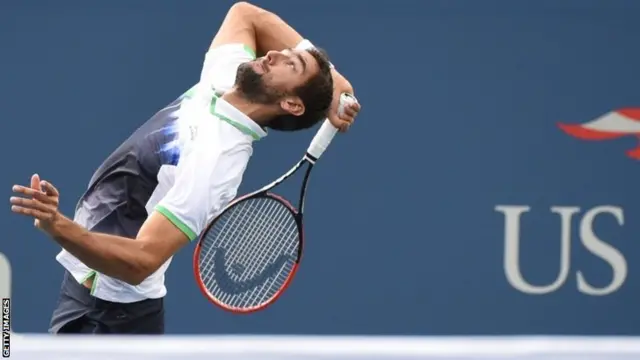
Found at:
[252, 86]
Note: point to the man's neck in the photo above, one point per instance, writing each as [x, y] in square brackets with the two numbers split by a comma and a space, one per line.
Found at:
[257, 112]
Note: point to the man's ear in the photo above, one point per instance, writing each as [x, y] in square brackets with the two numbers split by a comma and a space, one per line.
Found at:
[292, 105]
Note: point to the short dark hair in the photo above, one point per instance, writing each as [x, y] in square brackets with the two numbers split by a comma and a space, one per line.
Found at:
[316, 95]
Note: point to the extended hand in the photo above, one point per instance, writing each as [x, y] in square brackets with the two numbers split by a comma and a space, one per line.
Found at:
[342, 121]
[40, 201]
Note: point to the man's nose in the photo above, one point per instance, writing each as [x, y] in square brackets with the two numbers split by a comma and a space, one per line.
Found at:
[272, 56]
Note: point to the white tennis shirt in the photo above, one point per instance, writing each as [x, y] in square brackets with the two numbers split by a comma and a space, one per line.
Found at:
[186, 162]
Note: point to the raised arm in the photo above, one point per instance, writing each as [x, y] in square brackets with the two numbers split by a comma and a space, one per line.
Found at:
[261, 31]
[257, 28]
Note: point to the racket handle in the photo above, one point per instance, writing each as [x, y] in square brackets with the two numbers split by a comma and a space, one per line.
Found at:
[327, 131]
[322, 140]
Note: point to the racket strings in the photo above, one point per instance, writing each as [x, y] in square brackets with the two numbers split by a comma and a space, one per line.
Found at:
[260, 292]
[259, 239]
[208, 255]
[271, 250]
[266, 211]
[240, 253]
[210, 251]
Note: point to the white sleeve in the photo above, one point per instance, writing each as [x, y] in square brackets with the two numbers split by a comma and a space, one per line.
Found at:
[221, 65]
[207, 178]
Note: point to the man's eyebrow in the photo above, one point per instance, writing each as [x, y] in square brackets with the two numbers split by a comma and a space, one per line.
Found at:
[304, 63]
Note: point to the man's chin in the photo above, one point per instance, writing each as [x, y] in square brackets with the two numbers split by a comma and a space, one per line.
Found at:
[256, 67]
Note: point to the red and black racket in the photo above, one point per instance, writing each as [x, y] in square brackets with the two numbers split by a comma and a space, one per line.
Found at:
[250, 252]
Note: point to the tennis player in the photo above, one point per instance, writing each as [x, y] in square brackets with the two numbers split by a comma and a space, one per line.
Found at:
[159, 189]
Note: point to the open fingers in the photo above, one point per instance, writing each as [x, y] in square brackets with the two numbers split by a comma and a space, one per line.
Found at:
[26, 190]
[39, 215]
[31, 204]
[35, 181]
[36, 194]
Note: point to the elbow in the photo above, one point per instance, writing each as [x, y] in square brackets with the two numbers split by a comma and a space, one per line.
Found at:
[245, 10]
[136, 277]
[139, 270]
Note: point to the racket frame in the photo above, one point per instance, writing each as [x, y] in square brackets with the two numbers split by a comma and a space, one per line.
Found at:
[297, 214]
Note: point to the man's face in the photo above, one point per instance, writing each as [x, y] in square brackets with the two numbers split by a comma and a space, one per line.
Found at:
[267, 80]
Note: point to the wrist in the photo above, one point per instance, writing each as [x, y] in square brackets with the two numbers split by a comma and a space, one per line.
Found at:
[56, 226]
[308, 45]
[305, 45]
[341, 84]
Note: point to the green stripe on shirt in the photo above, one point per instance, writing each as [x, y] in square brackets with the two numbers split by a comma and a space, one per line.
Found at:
[246, 130]
[250, 51]
[177, 222]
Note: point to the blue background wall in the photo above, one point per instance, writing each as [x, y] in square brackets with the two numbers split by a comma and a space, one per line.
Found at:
[461, 104]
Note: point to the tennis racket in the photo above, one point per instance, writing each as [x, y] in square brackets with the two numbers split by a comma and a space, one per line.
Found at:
[248, 255]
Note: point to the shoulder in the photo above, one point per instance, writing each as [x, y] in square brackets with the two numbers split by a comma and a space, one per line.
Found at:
[221, 64]
[231, 51]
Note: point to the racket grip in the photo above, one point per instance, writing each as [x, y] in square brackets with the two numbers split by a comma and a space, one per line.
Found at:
[327, 131]
[322, 140]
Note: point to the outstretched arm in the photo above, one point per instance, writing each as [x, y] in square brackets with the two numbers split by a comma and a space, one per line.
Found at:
[206, 180]
[130, 260]
[125, 259]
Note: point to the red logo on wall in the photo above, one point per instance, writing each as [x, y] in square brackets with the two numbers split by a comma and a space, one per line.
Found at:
[612, 125]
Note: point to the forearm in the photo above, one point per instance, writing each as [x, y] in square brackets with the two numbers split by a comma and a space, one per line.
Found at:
[115, 256]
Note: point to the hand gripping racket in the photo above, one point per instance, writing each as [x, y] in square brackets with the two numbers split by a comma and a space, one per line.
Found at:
[248, 255]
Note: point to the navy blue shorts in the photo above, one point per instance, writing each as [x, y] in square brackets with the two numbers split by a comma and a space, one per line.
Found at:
[77, 312]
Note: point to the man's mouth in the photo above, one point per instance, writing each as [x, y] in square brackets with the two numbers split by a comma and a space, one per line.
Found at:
[263, 65]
